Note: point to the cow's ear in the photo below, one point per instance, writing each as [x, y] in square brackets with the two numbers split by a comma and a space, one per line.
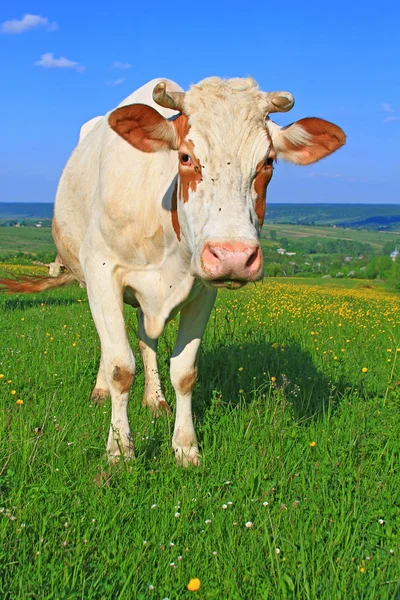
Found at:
[144, 128]
[306, 141]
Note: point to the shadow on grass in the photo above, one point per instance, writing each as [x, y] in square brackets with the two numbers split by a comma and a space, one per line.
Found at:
[24, 303]
[241, 373]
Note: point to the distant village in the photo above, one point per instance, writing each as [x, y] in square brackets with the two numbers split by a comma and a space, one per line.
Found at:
[22, 223]
[393, 255]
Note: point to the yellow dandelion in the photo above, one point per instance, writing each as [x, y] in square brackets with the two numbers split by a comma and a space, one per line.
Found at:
[19, 401]
[9, 380]
[74, 344]
[194, 585]
[364, 370]
[313, 444]
[64, 326]
[51, 339]
[23, 319]
[1, 376]
[240, 368]
[13, 392]
[273, 379]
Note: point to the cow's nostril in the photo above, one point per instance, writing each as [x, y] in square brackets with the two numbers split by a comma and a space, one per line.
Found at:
[252, 258]
[213, 252]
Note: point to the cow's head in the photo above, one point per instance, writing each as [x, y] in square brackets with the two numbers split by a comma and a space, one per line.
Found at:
[226, 146]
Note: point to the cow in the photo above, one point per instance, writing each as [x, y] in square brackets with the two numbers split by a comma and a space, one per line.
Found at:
[161, 204]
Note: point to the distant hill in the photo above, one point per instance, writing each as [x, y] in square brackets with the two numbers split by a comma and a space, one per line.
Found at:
[26, 210]
[357, 216]
[383, 223]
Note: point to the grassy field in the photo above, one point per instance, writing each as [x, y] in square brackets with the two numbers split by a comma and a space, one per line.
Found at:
[26, 239]
[297, 411]
[32, 241]
[377, 239]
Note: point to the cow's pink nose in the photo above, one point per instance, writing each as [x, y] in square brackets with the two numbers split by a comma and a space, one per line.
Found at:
[231, 260]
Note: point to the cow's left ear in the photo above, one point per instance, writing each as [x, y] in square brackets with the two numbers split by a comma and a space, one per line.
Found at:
[144, 128]
[306, 141]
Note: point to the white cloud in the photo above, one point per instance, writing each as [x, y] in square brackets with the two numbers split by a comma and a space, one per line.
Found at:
[120, 65]
[49, 62]
[27, 22]
[115, 82]
[387, 107]
[390, 119]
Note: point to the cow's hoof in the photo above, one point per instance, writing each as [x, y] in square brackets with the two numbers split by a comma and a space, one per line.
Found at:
[99, 396]
[117, 451]
[186, 456]
[158, 406]
[116, 457]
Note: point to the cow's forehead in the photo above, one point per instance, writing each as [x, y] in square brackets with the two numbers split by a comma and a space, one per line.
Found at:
[227, 117]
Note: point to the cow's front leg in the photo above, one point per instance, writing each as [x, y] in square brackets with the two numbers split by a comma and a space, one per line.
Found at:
[105, 298]
[193, 321]
[153, 395]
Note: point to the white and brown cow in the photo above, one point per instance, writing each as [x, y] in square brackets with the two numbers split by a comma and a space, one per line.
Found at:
[160, 204]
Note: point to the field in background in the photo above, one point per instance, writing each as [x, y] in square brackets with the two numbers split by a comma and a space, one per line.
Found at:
[377, 239]
[32, 240]
[297, 411]
[26, 240]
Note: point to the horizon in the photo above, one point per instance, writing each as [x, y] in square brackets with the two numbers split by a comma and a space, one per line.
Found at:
[65, 64]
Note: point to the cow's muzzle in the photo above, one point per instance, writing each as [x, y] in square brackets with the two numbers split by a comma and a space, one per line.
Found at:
[231, 262]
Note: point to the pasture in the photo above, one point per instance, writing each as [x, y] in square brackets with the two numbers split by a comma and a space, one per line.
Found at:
[377, 239]
[297, 413]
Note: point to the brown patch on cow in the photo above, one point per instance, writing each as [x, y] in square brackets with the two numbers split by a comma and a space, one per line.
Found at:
[189, 176]
[174, 212]
[186, 383]
[326, 138]
[181, 125]
[99, 396]
[263, 177]
[123, 378]
[144, 128]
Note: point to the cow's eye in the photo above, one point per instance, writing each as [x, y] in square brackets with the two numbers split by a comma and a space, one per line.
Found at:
[185, 159]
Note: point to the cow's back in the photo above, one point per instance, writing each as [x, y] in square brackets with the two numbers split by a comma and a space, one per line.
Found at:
[102, 168]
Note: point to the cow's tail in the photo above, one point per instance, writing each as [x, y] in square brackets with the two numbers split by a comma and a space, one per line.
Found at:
[30, 284]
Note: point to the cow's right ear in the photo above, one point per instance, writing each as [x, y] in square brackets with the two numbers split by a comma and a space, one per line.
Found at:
[144, 128]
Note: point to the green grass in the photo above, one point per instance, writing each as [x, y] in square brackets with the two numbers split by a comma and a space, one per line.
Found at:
[29, 240]
[273, 380]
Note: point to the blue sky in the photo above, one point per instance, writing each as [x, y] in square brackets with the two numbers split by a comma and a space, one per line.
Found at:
[63, 63]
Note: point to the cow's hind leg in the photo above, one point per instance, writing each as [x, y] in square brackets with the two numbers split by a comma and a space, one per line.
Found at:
[105, 298]
[153, 395]
[100, 392]
[193, 321]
